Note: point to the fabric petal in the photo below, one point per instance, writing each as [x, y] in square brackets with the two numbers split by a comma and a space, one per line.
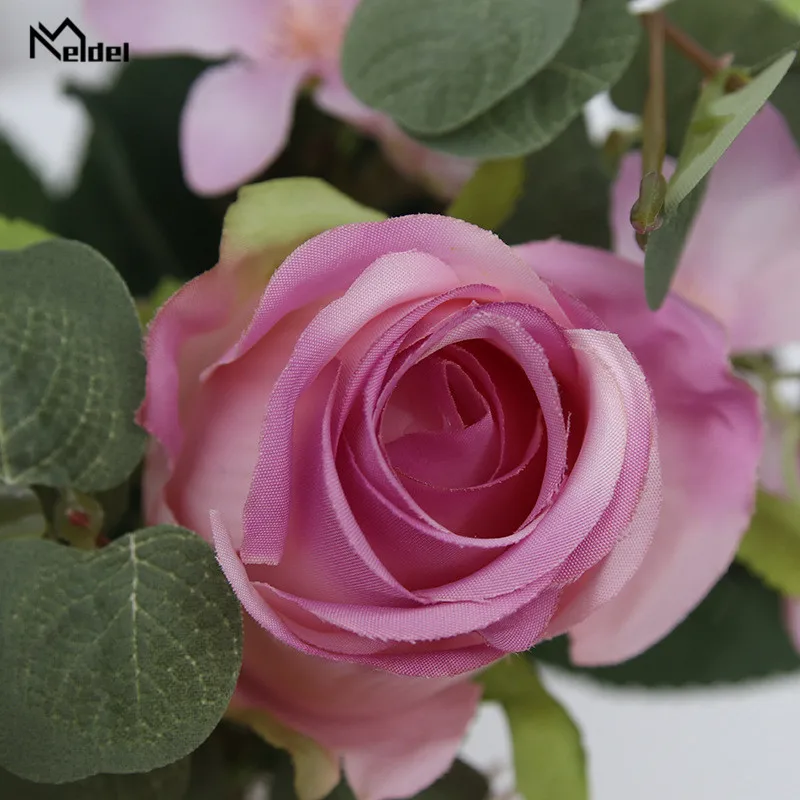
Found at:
[211, 28]
[710, 440]
[740, 261]
[236, 121]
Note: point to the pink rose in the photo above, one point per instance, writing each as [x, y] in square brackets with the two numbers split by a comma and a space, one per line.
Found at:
[417, 449]
[742, 258]
[238, 115]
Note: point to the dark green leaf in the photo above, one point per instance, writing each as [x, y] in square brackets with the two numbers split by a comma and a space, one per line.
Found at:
[771, 546]
[21, 514]
[21, 194]
[548, 755]
[113, 661]
[436, 64]
[593, 58]
[566, 194]
[71, 369]
[461, 782]
[132, 203]
[737, 633]
[750, 29]
[665, 247]
[491, 194]
[167, 783]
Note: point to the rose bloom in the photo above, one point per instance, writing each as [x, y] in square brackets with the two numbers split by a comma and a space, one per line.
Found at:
[417, 449]
[238, 115]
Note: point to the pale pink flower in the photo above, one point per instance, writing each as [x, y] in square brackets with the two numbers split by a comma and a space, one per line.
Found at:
[417, 450]
[238, 115]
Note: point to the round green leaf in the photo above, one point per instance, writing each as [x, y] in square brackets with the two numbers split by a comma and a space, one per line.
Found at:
[71, 369]
[436, 64]
[737, 633]
[548, 754]
[168, 783]
[116, 660]
[596, 54]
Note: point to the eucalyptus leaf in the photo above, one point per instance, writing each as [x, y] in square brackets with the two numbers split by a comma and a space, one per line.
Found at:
[167, 783]
[116, 660]
[596, 54]
[715, 126]
[548, 755]
[18, 233]
[433, 65]
[666, 245]
[736, 634]
[490, 196]
[71, 369]
[771, 546]
[21, 514]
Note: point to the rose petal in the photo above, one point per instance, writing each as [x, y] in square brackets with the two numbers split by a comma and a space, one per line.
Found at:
[236, 121]
[710, 440]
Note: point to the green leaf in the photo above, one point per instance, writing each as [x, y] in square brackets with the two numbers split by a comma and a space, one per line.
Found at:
[490, 196]
[167, 783]
[771, 546]
[21, 193]
[116, 660]
[461, 782]
[665, 247]
[131, 202]
[750, 29]
[593, 58]
[21, 514]
[737, 633]
[148, 308]
[566, 194]
[17, 233]
[548, 754]
[433, 65]
[71, 369]
[719, 120]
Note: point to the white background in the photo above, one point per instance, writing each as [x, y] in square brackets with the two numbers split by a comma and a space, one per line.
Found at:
[727, 743]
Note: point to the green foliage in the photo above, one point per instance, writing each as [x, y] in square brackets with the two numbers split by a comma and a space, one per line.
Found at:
[566, 194]
[665, 247]
[17, 233]
[167, 287]
[737, 633]
[115, 660]
[719, 119]
[490, 196]
[21, 513]
[592, 59]
[71, 369]
[168, 783]
[771, 547]
[750, 29]
[131, 203]
[434, 65]
[21, 193]
[548, 755]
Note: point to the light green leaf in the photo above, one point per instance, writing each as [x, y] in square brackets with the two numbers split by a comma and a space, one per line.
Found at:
[21, 514]
[548, 755]
[168, 783]
[113, 661]
[71, 369]
[718, 121]
[433, 65]
[491, 194]
[593, 58]
[665, 247]
[771, 546]
[17, 233]
[269, 220]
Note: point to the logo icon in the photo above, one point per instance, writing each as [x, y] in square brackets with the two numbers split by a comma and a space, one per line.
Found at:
[75, 52]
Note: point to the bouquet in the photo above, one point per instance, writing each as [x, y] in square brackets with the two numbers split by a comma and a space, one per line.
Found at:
[369, 366]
